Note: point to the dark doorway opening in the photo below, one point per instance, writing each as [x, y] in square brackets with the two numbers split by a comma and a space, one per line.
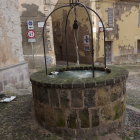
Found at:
[108, 51]
[138, 46]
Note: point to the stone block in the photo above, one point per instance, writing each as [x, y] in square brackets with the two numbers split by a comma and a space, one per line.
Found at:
[72, 119]
[21, 78]
[124, 87]
[91, 133]
[54, 100]
[109, 127]
[95, 117]
[84, 118]
[1, 87]
[89, 98]
[58, 131]
[107, 113]
[69, 133]
[5, 82]
[77, 98]
[59, 115]
[35, 91]
[40, 113]
[80, 133]
[119, 108]
[49, 117]
[43, 95]
[103, 95]
[116, 91]
[64, 99]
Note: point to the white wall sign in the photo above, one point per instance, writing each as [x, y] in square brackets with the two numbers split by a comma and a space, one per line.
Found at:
[40, 24]
[109, 29]
[30, 24]
[31, 40]
[100, 24]
[94, 30]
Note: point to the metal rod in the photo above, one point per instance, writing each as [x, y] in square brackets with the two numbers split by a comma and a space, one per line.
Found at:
[104, 34]
[33, 55]
[43, 33]
[66, 43]
[92, 46]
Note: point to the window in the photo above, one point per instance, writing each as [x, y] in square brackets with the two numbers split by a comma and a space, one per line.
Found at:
[110, 17]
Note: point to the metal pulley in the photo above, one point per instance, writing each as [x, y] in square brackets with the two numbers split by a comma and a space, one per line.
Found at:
[75, 25]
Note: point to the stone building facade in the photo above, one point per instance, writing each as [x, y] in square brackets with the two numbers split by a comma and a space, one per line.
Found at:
[13, 69]
[122, 20]
[123, 45]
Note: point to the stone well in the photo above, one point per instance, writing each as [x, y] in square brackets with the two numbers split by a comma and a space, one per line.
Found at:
[80, 108]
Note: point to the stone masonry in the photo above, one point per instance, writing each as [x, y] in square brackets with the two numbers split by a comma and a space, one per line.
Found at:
[82, 109]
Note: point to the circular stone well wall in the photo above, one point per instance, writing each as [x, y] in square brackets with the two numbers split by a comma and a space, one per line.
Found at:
[80, 108]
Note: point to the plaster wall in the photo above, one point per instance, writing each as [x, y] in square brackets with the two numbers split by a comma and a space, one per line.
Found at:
[10, 34]
[125, 32]
[13, 69]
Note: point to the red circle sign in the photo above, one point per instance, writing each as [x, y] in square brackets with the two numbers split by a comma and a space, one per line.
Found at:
[31, 34]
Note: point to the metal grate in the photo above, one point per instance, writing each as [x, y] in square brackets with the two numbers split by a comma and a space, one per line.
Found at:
[110, 17]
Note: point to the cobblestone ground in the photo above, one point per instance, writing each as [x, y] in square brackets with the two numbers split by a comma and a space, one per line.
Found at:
[17, 121]
[133, 85]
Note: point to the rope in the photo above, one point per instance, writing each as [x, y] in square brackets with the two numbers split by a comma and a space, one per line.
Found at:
[76, 46]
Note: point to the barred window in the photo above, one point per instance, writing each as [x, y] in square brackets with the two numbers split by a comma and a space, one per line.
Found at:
[110, 17]
[139, 19]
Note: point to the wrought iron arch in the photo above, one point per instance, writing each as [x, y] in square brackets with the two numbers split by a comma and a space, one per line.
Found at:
[72, 4]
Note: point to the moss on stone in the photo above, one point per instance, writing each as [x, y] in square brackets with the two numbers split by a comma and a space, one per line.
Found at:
[72, 119]
[41, 77]
[59, 117]
[95, 118]
[84, 117]
[119, 109]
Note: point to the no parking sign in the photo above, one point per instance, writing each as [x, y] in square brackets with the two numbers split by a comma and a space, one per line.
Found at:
[31, 36]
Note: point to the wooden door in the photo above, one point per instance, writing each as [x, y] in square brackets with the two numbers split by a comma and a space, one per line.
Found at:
[138, 46]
